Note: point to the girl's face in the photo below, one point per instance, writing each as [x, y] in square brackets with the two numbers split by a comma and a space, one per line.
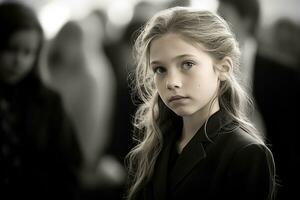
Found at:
[183, 74]
[17, 60]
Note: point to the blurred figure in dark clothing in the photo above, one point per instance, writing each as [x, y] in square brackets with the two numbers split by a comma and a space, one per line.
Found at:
[275, 85]
[39, 151]
[287, 42]
[277, 90]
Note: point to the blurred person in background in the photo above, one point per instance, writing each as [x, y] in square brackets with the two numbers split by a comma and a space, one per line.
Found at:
[40, 156]
[278, 90]
[81, 73]
[286, 42]
[275, 86]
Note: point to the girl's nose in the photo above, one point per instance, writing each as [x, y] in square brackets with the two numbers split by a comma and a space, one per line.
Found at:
[173, 82]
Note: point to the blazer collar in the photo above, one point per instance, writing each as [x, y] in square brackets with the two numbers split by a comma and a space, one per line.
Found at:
[192, 154]
[217, 121]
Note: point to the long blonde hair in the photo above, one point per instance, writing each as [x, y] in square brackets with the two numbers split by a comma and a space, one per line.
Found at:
[153, 118]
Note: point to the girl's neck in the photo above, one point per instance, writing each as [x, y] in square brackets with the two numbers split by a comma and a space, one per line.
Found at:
[192, 123]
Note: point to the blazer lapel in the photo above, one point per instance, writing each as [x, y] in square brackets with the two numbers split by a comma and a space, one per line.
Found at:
[195, 150]
[192, 154]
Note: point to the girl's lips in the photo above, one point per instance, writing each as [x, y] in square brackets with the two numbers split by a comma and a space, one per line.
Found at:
[176, 97]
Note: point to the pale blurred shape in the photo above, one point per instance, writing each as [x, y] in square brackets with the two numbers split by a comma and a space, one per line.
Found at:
[272, 10]
[52, 16]
[120, 12]
[211, 5]
[155, 1]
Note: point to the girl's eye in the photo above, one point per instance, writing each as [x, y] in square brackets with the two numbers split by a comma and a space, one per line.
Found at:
[187, 65]
[159, 70]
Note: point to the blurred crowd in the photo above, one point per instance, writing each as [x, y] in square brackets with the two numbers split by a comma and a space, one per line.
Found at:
[66, 106]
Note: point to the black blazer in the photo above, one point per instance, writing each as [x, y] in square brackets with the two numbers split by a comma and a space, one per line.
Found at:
[231, 165]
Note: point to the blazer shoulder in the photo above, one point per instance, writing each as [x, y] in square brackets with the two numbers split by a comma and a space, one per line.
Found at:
[238, 141]
[239, 138]
[244, 147]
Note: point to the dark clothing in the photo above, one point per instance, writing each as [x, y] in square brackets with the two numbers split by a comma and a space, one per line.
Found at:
[231, 165]
[39, 151]
[277, 91]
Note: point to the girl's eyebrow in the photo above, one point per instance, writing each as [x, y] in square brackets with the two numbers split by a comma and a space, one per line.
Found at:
[175, 58]
[155, 62]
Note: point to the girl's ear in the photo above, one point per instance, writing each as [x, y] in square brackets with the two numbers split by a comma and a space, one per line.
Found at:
[224, 67]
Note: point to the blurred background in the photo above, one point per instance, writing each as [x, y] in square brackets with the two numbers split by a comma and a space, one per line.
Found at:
[87, 60]
[54, 13]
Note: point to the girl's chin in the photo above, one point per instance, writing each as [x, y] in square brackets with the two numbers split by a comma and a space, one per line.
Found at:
[182, 112]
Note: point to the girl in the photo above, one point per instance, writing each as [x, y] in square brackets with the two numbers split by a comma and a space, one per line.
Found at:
[194, 139]
[39, 152]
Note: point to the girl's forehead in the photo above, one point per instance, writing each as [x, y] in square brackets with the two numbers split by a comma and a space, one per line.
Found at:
[174, 36]
[173, 43]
